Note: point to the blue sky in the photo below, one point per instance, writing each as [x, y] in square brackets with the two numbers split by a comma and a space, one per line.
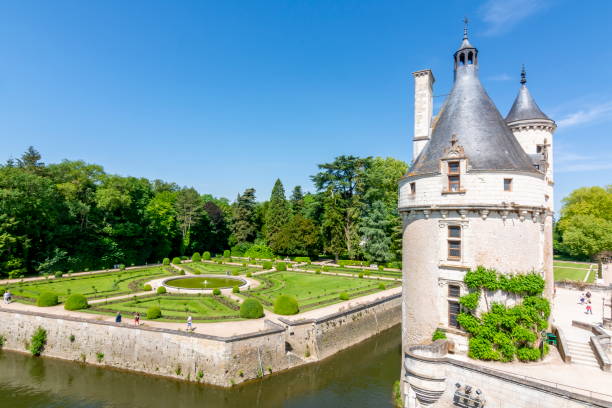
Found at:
[225, 95]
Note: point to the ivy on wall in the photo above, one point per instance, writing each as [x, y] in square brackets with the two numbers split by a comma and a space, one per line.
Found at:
[504, 333]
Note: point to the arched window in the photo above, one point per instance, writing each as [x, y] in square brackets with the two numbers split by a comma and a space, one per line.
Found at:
[462, 59]
[470, 57]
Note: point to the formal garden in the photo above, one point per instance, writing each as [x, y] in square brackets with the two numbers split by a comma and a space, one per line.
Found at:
[202, 268]
[574, 271]
[353, 271]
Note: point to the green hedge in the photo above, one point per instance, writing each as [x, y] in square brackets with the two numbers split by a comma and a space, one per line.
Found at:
[302, 259]
[58, 274]
[259, 251]
[349, 262]
[251, 309]
[216, 291]
[267, 265]
[235, 289]
[46, 299]
[147, 287]
[154, 312]
[166, 261]
[227, 253]
[344, 296]
[76, 302]
[437, 335]
[281, 266]
[196, 257]
[161, 290]
[176, 260]
[206, 256]
[286, 305]
[38, 341]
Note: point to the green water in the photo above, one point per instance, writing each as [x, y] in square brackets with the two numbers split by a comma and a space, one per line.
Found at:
[204, 283]
[361, 376]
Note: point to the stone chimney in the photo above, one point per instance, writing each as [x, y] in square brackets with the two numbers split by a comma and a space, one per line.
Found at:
[423, 109]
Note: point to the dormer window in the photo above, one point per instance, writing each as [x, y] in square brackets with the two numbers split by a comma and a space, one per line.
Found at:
[454, 179]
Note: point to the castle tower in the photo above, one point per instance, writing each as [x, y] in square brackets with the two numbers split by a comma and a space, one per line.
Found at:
[423, 110]
[472, 197]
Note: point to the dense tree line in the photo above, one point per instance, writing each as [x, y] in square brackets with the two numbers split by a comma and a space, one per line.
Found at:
[74, 216]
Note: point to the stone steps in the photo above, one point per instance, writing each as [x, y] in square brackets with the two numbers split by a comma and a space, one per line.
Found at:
[582, 354]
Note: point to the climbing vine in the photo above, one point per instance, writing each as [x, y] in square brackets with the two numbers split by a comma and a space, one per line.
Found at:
[503, 333]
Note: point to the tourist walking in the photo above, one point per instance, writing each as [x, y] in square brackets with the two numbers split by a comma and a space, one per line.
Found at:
[189, 328]
[118, 317]
[588, 295]
[589, 309]
[582, 299]
[137, 318]
[6, 297]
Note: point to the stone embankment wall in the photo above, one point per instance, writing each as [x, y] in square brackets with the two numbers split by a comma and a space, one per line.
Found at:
[431, 378]
[222, 361]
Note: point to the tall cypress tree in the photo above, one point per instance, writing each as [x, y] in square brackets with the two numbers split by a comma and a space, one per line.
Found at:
[297, 200]
[375, 234]
[244, 226]
[277, 214]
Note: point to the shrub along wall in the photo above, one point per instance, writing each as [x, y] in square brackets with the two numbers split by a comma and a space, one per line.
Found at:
[502, 333]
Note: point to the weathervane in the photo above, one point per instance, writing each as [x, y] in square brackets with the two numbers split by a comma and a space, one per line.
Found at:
[465, 28]
[523, 75]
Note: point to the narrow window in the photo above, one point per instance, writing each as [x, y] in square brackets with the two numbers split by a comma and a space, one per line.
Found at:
[454, 180]
[453, 311]
[539, 149]
[454, 291]
[537, 166]
[412, 188]
[454, 242]
[508, 184]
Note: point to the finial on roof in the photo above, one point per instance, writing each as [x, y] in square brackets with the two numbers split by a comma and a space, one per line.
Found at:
[523, 76]
[465, 28]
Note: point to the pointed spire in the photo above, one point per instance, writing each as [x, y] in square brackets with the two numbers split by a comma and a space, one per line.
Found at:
[524, 106]
[465, 28]
[523, 76]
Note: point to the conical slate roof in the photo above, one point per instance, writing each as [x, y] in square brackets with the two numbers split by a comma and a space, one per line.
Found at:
[525, 107]
[470, 115]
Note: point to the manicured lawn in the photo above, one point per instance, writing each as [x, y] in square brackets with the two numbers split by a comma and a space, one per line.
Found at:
[174, 307]
[574, 274]
[204, 268]
[204, 283]
[353, 271]
[312, 290]
[572, 265]
[92, 286]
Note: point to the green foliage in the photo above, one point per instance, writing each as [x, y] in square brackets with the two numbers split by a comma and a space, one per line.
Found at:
[437, 335]
[227, 253]
[38, 342]
[343, 296]
[244, 226]
[281, 266]
[58, 274]
[154, 312]
[361, 274]
[348, 262]
[241, 248]
[249, 274]
[2, 341]
[277, 216]
[259, 251]
[99, 357]
[375, 232]
[166, 261]
[528, 354]
[147, 287]
[286, 305]
[206, 256]
[470, 301]
[235, 289]
[161, 290]
[267, 265]
[46, 299]
[394, 265]
[2, 290]
[76, 302]
[298, 236]
[251, 309]
[176, 260]
[216, 292]
[521, 284]
[397, 394]
[196, 257]
[302, 259]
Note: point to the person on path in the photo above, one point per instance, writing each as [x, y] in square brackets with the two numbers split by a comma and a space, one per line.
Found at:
[588, 295]
[582, 299]
[118, 317]
[5, 296]
[589, 309]
[189, 321]
[137, 318]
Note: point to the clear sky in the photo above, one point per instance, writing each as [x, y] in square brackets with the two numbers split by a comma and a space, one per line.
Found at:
[225, 95]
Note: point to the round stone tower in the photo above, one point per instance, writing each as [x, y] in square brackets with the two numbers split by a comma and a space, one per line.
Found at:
[473, 196]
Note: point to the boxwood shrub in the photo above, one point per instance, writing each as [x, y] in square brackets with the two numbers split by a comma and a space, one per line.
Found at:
[437, 335]
[154, 312]
[281, 266]
[251, 309]
[302, 259]
[76, 301]
[235, 289]
[147, 287]
[176, 260]
[166, 261]
[161, 290]
[206, 256]
[344, 296]
[286, 305]
[216, 291]
[227, 253]
[196, 257]
[58, 274]
[267, 265]
[46, 299]
[38, 341]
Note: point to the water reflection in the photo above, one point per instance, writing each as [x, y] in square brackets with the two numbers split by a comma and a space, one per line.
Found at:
[359, 377]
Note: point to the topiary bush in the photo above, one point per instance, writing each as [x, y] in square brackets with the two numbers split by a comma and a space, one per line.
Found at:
[382, 286]
[147, 287]
[76, 302]
[58, 274]
[302, 259]
[344, 296]
[154, 312]
[235, 289]
[227, 253]
[38, 342]
[251, 309]
[361, 275]
[46, 299]
[166, 261]
[249, 274]
[286, 305]
[216, 292]
[437, 335]
[281, 266]
[2, 290]
[267, 265]
[206, 256]
[161, 290]
[381, 267]
[196, 257]
[317, 272]
[176, 260]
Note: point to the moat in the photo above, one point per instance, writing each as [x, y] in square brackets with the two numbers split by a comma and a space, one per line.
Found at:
[361, 376]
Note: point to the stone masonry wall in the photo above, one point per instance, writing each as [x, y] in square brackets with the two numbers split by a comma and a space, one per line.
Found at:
[221, 361]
